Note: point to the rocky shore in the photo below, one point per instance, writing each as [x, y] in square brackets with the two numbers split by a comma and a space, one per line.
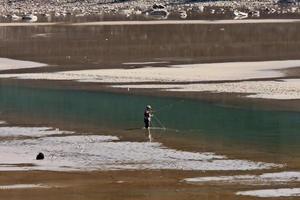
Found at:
[34, 10]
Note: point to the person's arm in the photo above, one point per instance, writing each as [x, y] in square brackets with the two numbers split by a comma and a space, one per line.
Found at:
[151, 114]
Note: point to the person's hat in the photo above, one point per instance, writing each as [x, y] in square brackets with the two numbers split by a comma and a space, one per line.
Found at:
[148, 107]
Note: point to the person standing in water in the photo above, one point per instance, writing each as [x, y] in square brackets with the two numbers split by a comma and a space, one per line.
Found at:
[147, 120]
[147, 116]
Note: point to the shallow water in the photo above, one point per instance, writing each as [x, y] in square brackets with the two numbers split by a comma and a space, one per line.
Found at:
[271, 132]
[110, 46]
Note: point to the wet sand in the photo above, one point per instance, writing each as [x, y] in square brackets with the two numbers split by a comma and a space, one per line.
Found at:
[110, 185]
[117, 185]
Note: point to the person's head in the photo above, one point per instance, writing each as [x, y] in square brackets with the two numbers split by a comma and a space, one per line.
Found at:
[148, 107]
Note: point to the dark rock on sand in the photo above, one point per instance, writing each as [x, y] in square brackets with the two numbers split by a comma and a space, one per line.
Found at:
[40, 156]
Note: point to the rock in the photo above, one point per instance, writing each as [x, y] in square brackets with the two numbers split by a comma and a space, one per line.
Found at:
[183, 14]
[240, 15]
[30, 18]
[15, 17]
[40, 156]
[158, 6]
[159, 14]
[201, 8]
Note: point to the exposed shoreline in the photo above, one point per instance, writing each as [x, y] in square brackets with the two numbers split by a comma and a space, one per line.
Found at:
[104, 10]
[122, 181]
[269, 84]
[154, 22]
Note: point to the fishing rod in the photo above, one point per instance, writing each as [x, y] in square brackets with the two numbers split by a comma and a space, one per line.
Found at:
[162, 126]
[157, 119]
[159, 122]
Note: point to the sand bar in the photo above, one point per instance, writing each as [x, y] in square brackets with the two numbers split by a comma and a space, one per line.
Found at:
[155, 22]
[22, 186]
[282, 192]
[10, 64]
[181, 75]
[28, 24]
[263, 179]
[173, 73]
[144, 63]
[30, 131]
[104, 152]
[176, 22]
[280, 89]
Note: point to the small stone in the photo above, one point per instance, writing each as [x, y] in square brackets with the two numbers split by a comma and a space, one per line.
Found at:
[40, 156]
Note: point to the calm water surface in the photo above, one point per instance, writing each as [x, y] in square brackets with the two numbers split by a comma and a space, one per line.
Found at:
[270, 131]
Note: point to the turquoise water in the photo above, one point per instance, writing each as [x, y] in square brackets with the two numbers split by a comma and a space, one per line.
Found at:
[271, 130]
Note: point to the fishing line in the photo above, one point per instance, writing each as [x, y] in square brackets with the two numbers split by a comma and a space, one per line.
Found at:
[159, 122]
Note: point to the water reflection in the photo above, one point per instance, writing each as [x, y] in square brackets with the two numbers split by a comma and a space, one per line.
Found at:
[110, 46]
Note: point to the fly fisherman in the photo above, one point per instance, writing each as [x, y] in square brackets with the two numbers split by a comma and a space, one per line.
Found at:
[147, 120]
[147, 116]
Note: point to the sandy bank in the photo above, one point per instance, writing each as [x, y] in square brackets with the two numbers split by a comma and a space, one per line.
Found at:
[155, 22]
[280, 89]
[176, 22]
[263, 179]
[11, 64]
[231, 77]
[282, 192]
[174, 73]
[104, 152]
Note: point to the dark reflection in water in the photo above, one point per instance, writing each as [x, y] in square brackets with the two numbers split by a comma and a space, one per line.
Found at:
[109, 46]
[270, 130]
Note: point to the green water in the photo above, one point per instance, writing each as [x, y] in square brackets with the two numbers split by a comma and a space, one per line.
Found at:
[271, 130]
